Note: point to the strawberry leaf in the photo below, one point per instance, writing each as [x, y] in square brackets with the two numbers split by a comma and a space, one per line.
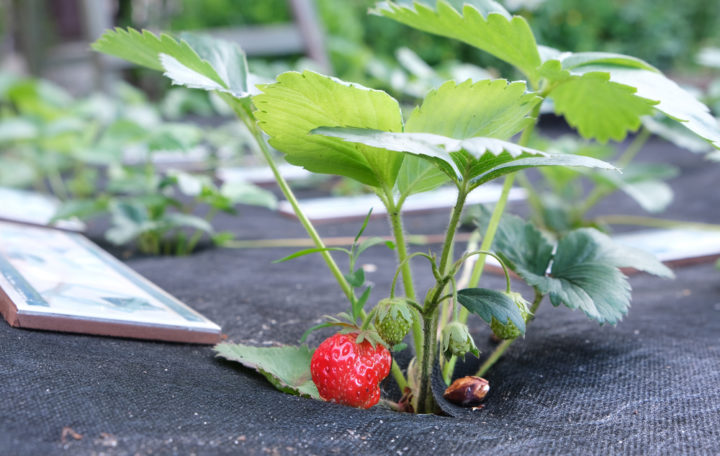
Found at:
[301, 102]
[493, 108]
[286, 367]
[489, 304]
[522, 247]
[478, 160]
[584, 270]
[605, 95]
[484, 24]
[643, 182]
[597, 107]
[196, 62]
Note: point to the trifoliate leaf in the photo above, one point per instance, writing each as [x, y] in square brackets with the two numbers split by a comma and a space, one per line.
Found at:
[489, 304]
[584, 270]
[481, 23]
[196, 62]
[286, 367]
[298, 103]
[491, 108]
[475, 159]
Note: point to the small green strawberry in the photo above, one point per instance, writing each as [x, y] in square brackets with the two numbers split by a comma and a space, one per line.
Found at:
[392, 320]
[457, 341]
[509, 330]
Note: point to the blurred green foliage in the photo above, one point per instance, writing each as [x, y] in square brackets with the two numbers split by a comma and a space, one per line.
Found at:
[200, 14]
[666, 33]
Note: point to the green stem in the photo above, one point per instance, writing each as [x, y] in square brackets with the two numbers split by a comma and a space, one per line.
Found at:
[447, 251]
[533, 197]
[596, 195]
[401, 245]
[197, 235]
[425, 401]
[246, 116]
[398, 376]
[499, 260]
[602, 191]
[635, 146]
[489, 236]
[494, 356]
[504, 345]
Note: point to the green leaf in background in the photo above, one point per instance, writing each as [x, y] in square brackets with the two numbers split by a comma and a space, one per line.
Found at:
[195, 62]
[673, 101]
[477, 159]
[286, 367]
[643, 182]
[563, 180]
[246, 193]
[298, 103]
[128, 222]
[481, 23]
[599, 108]
[605, 95]
[16, 172]
[81, 208]
[676, 133]
[39, 98]
[15, 129]
[180, 220]
[573, 60]
[489, 304]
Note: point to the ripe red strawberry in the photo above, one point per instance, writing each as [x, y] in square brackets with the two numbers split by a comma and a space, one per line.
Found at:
[348, 372]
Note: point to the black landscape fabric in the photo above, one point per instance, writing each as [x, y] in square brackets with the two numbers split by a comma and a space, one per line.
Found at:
[650, 385]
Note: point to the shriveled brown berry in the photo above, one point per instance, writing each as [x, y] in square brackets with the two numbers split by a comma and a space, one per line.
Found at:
[467, 391]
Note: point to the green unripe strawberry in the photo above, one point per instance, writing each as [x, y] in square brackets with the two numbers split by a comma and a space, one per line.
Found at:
[509, 330]
[457, 341]
[392, 320]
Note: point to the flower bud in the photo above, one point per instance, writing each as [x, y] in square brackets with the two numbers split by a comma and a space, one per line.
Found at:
[457, 341]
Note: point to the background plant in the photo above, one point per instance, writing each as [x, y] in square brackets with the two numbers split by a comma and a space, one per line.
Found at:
[97, 155]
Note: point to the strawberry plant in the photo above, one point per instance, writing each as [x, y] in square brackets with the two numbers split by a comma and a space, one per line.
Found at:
[461, 134]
